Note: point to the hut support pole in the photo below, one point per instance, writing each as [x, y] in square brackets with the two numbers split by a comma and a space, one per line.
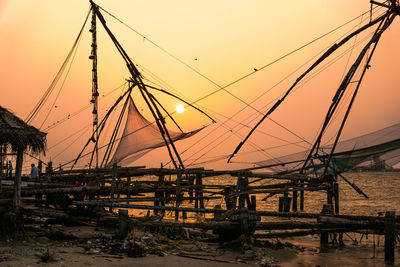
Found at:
[3, 150]
[17, 181]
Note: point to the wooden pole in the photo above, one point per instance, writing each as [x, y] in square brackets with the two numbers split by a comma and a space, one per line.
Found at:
[177, 194]
[128, 180]
[336, 196]
[302, 197]
[280, 205]
[113, 183]
[294, 204]
[326, 210]
[329, 195]
[49, 171]
[242, 188]
[253, 203]
[230, 197]
[390, 236]
[3, 151]
[123, 224]
[199, 193]
[17, 181]
[159, 195]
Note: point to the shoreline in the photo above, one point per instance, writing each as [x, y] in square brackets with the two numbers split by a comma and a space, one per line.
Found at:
[95, 246]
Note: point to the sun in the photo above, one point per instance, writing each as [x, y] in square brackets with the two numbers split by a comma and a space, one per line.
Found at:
[180, 108]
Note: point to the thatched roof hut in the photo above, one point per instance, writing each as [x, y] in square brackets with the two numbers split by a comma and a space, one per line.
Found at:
[18, 134]
[20, 137]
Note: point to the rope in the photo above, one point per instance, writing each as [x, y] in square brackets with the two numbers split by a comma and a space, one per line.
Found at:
[241, 78]
[31, 116]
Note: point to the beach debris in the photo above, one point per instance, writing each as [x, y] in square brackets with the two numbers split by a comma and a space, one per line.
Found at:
[46, 256]
[59, 235]
[267, 261]
[135, 249]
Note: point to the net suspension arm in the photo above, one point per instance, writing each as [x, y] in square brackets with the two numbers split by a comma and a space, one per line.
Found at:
[169, 115]
[159, 127]
[187, 103]
[115, 132]
[338, 96]
[162, 123]
[315, 64]
[142, 88]
[375, 39]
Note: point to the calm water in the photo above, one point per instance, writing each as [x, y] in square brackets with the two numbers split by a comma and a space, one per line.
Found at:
[382, 188]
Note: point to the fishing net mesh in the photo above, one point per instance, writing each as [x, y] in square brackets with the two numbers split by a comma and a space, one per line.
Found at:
[141, 136]
[380, 148]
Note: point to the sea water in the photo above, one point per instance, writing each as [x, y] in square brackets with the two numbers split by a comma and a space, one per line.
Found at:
[382, 189]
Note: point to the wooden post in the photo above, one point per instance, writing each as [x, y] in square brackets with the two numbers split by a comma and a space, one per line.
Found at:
[302, 197]
[243, 196]
[218, 212]
[3, 151]
[49, 171]
[280, 205]
[191, 183]
[128, 195]
[199, 191]
[336, 196]
[159, 194]
[113, 182]
[177, 194]
[123, 223]
[230, 199]
[286, 202]
[119, 186]
[326, 209]
[294, 204]
[253, 203]
[329, 195]
[390, 236]
[17, 180]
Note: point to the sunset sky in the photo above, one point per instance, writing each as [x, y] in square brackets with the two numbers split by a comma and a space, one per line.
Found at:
[223, 40]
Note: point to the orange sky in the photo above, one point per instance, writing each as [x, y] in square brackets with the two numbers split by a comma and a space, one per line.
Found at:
[223, 40]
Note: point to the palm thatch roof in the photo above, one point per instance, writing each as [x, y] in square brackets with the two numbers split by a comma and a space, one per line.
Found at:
[18, 134]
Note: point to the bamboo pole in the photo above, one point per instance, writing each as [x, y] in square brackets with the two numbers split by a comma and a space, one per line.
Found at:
[17, 181]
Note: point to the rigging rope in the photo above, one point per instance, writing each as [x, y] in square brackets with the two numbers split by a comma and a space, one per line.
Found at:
[62, 84]
[241, 78]
[31, 116]
[299, 86]
[228, 85]
[315, 64]
[69, 116]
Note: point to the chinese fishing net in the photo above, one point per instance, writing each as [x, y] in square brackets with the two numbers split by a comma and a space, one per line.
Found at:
[379, 149]
[140, 137]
